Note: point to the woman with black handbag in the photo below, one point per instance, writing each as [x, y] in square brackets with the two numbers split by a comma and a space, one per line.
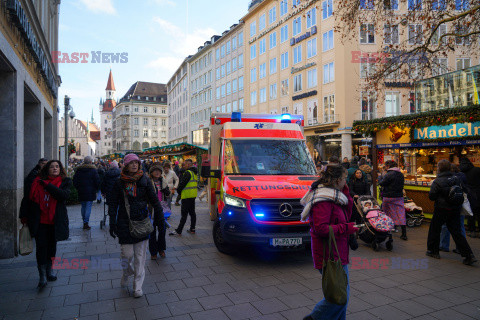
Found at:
[129, 219]
[328, 208]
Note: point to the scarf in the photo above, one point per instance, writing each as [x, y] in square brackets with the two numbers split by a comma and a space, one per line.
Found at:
[47, 203]
[131, 182]
[318, 195]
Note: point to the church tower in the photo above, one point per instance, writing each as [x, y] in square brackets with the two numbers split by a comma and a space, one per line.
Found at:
[106, 114]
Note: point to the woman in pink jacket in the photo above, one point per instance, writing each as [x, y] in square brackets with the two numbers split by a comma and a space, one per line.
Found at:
[328, 203]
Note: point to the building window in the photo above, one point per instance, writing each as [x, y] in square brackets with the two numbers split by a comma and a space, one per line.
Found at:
[228, 47]
[229, 107]
[222, 70]
[155, 133]
[415, 35]
[135, 109]
[240, 104]
[273, 91]
[390, 4]
[297, 54]
[312, 78]
[127, 109]
[414, 5]
[328, 40]
[462, 30]
[462, 5]
[367, 68]
[463, 63]
[229, 88]
[391, 34]
[262, 71]
[440, 66]
[297, 26]
[234, 105]
[295, 3]
[145, 121]
[124, 120]
[285, 87]
[262, 47]
[135, 121]
[311, 48]
[284, 33]
[253, 75]
[229, 67]
[442, 29]
[273, 66]
[261, 22]
[297, 83]
[367, 33]
[135, 133]
[234, 64]
[240, 61]
[253, 28]
[283, 7]
[367, 4]
[327, 9]
[263, 95]
[329, 109]
[284, 60]
[253, 51]
[234, 85]
[218, 93]
[328, 73]
[164, 110]
[124, 133]
[273, 40]
[240, 83]
[223, 91]
[272, 15]
[311, 18]
[222, 51]
[392, 104]
[253, 98]
[155, 122]
[217, 73]
[240, 39]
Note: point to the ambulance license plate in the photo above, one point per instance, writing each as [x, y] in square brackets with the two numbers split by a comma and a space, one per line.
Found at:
[285, 242]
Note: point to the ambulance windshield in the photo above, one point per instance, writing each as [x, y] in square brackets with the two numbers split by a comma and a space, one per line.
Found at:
[267, 157]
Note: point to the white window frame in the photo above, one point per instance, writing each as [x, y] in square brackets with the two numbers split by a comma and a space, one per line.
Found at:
[367, 33]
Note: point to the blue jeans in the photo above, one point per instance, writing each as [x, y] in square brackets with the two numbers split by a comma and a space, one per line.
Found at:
[329, 311]
[86, 210]
[445, 235]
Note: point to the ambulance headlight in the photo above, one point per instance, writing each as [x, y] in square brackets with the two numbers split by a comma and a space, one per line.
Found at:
[234, 201]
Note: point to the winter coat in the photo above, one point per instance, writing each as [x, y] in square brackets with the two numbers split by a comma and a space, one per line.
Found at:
[27, 185]
[185, 178]
[440, 189]
[111, 176]
[473, 181]
[32, 211]
[101, 173]
[358, 187]
[171, 179]
[87, 182]
[138, 208]
[323, 215]
[392, 183]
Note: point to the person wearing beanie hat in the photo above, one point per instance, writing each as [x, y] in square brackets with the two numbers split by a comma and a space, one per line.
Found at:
[114, 164]
[131, 194]
[157, 243]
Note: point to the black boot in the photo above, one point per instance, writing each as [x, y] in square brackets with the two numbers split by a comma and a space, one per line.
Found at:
[50, 276]
[404, 233]
[42, 272]
[469, 260]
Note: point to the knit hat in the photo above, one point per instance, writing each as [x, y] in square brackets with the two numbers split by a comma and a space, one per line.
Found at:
[114, 164]
[131, 157]
[176, 162]
[155, 166]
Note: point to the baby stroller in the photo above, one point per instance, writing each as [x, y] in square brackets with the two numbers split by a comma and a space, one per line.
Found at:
[413, 212]
[378, 225]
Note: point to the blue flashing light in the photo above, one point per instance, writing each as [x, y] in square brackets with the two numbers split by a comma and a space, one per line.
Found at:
[286, 118]
[229, 213]
[259, 215]
[236, 117]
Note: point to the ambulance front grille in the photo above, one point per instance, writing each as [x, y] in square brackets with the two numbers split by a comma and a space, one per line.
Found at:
[271, 209]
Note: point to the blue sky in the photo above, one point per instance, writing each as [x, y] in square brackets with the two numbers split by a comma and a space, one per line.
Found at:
[156, 34]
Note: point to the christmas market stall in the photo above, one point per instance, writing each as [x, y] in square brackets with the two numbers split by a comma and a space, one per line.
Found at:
[417, 142]
[176, 152]
[114, 156]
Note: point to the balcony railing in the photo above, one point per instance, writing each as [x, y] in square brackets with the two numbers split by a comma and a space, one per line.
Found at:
[323, 119]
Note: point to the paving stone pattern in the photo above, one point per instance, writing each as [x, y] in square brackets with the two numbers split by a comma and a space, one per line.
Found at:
[195, 281]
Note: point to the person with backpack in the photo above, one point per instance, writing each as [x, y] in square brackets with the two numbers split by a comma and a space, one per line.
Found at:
[473, 183]
[447, 192]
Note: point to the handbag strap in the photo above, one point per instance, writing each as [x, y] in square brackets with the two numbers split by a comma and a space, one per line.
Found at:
[127, 204]
[330, 236]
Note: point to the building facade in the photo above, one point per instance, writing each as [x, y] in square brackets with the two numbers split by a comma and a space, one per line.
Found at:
[296, 62]
[85, 136]
[229, 70]
[140, 120]
[178, 105]
[29, 83]
[106, 118]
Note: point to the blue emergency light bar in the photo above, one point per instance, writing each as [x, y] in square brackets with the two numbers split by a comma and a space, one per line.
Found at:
[236, 117]
[286, 118]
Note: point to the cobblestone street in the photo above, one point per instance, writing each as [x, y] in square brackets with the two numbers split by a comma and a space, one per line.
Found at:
[195, 281]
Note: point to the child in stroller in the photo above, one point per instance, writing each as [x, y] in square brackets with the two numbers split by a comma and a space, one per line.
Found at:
[414, 213]
[378, 225]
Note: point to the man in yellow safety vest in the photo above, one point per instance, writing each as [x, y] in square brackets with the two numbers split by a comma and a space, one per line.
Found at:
[187, 189]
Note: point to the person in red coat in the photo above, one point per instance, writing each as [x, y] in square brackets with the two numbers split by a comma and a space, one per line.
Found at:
[328, 203]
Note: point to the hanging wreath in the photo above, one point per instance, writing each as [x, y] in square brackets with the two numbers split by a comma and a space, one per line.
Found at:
[71, 147]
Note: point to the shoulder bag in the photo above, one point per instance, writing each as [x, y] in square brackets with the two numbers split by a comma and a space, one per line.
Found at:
[138, 229]
[334, 278]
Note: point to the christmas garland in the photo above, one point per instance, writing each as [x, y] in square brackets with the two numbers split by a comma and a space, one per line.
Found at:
[477, 137]
[420, 120]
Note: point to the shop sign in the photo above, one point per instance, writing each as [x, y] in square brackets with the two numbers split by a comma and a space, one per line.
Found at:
[308, 65]
[393, 135]
[323, 131]
[299, 8]
[398, 84]
[363, 150]
[456, 130]
[304, 95]
[21, 19]
[308, 34]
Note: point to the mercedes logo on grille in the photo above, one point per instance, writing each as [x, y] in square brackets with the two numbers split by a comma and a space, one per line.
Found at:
[285, 210]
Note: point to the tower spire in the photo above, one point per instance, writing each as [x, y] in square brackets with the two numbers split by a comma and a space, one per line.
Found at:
[110, 84]
[92, 121]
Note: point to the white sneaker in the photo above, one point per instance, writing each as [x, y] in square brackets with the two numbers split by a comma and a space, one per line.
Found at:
[124, 282]
[174, 233]
[138, 294]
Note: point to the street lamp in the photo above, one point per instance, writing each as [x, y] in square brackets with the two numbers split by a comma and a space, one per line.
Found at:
[68, 107]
